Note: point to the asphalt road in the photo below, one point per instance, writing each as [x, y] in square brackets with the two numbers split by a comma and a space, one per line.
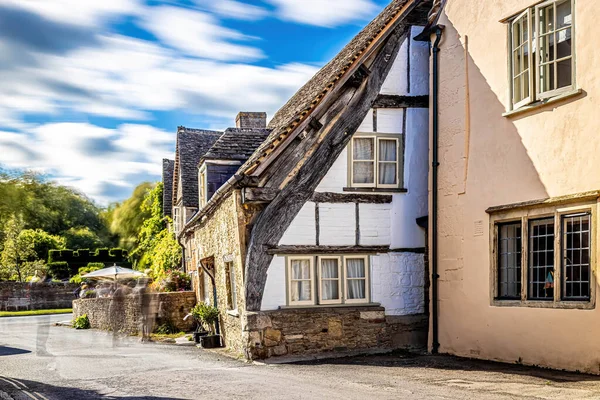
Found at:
[45, 362]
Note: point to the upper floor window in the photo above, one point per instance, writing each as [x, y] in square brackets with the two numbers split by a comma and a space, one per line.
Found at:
[375, 161]
[202, 187]
[541, 52]
[176, 219]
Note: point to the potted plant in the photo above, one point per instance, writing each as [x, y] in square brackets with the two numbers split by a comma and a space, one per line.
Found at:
[196, 314]
[209, 315]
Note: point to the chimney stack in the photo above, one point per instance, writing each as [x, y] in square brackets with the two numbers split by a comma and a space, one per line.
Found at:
[251, 120]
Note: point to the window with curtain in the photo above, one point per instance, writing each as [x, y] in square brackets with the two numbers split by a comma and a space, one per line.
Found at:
[329, 276]
[375, 162]
[541, 52]
[328, 279]
[301, 281]
[356, 279]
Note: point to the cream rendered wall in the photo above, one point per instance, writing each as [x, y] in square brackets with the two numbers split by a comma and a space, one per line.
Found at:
[396, 278]
[550, 151]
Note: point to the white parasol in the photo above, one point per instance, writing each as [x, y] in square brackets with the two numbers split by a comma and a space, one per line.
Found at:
[114, 273]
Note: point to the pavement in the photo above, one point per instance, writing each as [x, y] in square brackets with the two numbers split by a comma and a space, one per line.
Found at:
[45, 362]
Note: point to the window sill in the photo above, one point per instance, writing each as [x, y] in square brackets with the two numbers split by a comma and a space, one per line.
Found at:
[233, 313]
[320, 306]
[375, 190]
[565, 305]
[542, 103]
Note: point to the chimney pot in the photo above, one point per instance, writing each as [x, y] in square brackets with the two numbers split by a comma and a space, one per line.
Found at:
[251, 120]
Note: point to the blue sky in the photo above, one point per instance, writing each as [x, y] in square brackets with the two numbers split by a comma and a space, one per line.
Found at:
[92, 91]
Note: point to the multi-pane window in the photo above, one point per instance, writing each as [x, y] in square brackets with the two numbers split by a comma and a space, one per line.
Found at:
[541, 259]
[509, 261]
[176, 219]
[541, 52]
[202, 192]
[375, 162]
[328, 280]
[556, 251]
[576, 257]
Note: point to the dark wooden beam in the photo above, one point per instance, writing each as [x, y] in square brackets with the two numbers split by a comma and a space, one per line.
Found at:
[300, 250]
[341, 120]
[393, 101]
[327, 197]
[258, 195]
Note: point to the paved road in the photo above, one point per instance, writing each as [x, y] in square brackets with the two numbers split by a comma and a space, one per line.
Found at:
[44, 362]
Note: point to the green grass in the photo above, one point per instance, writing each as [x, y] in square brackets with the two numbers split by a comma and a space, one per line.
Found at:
[35, 312]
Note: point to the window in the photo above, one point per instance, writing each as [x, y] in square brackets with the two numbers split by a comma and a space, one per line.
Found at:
[335, 280]
[509, 261]
[375, 162]
[541, 52]
[202, 186]
[176, 219]
[231, 288]
[555, 244]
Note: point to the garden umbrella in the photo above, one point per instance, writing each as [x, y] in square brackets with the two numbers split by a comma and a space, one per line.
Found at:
[115, 273]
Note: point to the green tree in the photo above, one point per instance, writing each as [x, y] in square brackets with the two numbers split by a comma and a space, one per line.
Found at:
[128, 217]
[82, 238]
[16, 252]
[42, 242]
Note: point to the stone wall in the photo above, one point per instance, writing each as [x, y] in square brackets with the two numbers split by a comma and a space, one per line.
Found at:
[15, 296]
[325, 329]
[123, 314]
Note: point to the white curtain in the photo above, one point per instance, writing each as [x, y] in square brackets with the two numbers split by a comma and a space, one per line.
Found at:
[356, 278]
[364, 156]
[330, 284]
[388, 158]
[301, 280]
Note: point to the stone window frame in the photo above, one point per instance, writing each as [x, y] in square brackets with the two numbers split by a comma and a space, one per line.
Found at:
[556, 208]
[536, 97]
[316, 281]
[230, 285]
[202, 186]
[399, 138]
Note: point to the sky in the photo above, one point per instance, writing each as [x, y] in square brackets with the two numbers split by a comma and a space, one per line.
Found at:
[92, 92]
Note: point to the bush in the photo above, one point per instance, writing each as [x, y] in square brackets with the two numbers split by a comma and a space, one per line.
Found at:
[81, 322]
[85, 270]
[166, 329]
[206, 314]
[93, 266]
[59, 270]
[89, 294]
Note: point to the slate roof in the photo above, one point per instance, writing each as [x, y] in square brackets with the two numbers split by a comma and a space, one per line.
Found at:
[310, 95]
[192, 145]
[167, 178]
[237, 144]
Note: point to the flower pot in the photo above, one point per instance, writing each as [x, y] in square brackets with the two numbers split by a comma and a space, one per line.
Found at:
[210, 341]
[199, 335]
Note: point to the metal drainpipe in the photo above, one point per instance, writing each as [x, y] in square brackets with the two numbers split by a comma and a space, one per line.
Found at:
[434, 195]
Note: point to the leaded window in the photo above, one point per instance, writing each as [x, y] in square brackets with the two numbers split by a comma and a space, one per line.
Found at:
[509, 260]
[576, 257]
[541, 259]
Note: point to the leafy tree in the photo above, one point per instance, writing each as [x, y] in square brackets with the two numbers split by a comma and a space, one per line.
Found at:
[165, 255]
[128, 217]
[16, 252]
[42, 242]
[82, 238]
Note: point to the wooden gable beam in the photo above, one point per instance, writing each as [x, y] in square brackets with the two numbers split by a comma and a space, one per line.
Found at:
[345, 116]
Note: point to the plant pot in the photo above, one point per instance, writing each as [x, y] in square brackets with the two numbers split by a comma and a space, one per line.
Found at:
[199, 335]
[210, 341]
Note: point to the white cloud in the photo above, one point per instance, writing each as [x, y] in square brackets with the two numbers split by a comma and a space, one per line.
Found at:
[197, 33]
[327, 13]
[88, 157]
[77, 12]
[234, 9]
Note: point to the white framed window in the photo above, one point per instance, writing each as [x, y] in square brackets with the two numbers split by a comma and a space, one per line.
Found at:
[176, 219]
[375, 161]
[357, 281]
[328, 279]
[202, 186]
[301, 281]
[541, 52]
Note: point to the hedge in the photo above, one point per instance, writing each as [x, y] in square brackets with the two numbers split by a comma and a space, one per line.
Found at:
[59, 270]
[81, 258]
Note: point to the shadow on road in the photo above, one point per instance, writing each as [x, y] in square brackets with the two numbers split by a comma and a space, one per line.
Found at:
[12, 351]
[21, 388]
[451, 363]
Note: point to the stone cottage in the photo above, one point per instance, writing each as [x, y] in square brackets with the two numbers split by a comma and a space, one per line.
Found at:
[310, 235]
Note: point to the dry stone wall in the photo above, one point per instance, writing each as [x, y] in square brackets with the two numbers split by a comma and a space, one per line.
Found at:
[319, 330]
[16, 296]
[124, 314]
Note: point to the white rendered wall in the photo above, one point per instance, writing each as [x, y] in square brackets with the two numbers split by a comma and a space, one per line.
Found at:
[337, 224]
[397, 282]
[274, 294]
[302, 231]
